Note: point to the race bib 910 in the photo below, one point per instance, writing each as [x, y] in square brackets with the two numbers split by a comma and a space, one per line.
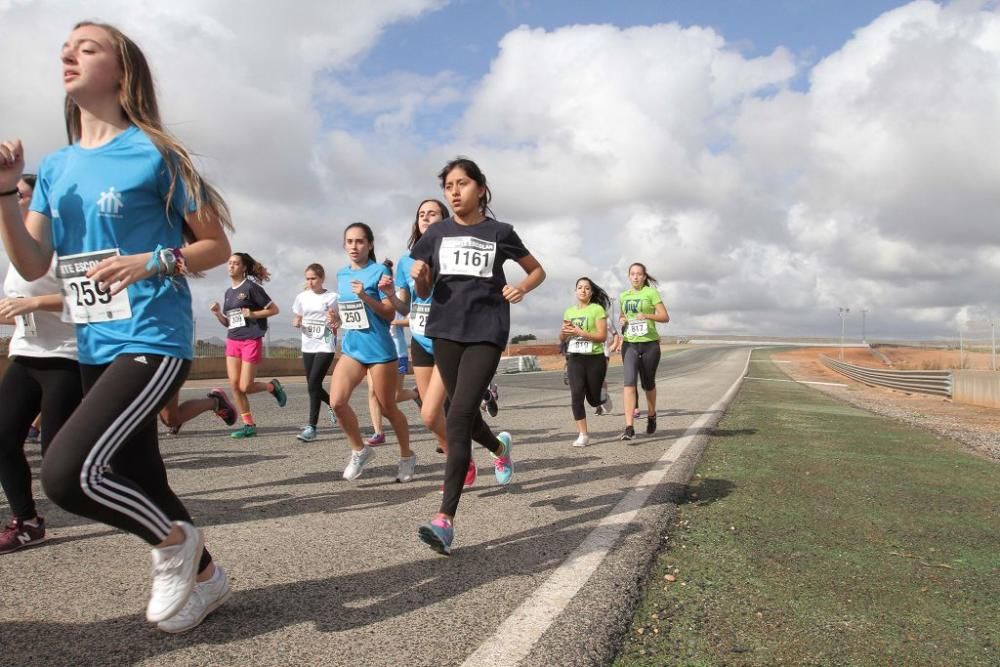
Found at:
[467, 256]
[83, 299]
[314, 328]
[353, 315]
[580, 346]
[418, 318]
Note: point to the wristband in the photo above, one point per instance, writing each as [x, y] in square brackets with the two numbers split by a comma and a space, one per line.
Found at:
[7, 193]
[154, 260]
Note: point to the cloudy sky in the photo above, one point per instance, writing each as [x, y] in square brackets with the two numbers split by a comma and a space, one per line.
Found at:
[768, 160]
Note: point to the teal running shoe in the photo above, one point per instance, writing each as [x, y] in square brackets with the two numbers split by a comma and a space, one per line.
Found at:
[503, 465]
[279, 393]
[438, 535]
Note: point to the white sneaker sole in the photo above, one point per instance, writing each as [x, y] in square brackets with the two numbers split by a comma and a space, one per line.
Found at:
[208, 610]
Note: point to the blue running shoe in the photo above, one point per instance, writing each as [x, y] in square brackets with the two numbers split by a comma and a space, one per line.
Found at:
[438, 535]
[308, 434]
[502, 463]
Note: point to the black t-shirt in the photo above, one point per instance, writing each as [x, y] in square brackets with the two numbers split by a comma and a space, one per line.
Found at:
[467, 303]
[247, 295]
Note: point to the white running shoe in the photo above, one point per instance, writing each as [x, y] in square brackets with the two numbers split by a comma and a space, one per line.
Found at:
[582, 440]
[174, 570]
[205, 598]
[407, 468]
[357, 463]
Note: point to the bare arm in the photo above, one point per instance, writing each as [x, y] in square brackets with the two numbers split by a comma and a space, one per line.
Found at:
[535, 277]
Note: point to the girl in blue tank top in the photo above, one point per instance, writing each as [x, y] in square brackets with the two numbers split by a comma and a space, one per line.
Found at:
[363, 316]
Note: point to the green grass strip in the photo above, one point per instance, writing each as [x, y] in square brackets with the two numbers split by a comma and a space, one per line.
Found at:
[819, 534]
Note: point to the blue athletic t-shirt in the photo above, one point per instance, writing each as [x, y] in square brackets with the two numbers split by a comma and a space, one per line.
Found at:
[372, 344]
[113, 197]
[404, 281]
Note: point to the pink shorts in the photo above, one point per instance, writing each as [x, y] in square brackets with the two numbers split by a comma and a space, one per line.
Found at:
[251, 351]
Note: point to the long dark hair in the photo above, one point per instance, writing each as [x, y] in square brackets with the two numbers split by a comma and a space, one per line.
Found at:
[415, 233]
[30, 179]
[369, 234]
[252, 268]
[649, 279]
[597, 294]
[473, 171]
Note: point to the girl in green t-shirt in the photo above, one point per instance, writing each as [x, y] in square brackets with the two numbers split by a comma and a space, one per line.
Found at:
[641, 309]
[584, 330]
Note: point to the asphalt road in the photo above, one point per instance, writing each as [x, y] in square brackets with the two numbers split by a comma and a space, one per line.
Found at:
[329, 572]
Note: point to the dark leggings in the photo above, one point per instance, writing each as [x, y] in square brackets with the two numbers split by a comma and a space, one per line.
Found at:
[586, 379]
[317, 365]
[105, 464]
[641, 359]
[466, 369]
[50, 385]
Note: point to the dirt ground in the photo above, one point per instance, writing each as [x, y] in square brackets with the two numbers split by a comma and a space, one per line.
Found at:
[976, 427]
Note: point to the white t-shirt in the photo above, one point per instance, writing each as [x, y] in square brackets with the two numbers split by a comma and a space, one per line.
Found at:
[41, 333]
[312, 307]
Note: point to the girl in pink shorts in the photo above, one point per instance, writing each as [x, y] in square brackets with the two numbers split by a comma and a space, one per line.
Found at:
[244, 313]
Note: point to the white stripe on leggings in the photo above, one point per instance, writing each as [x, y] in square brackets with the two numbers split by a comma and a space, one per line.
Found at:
[118, 498]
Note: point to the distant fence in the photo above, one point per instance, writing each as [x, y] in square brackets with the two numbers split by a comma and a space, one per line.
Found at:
[938, 383]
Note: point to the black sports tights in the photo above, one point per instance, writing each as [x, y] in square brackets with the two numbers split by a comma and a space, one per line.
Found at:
[466, 369]
[32, 384]
[317, 366]
[586, 379]
[105, 462]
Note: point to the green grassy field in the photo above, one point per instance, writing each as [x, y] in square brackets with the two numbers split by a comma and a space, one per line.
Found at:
[818, 534]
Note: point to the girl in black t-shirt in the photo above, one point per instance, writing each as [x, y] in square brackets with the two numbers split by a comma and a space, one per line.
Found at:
[244, 313]
[459, 263]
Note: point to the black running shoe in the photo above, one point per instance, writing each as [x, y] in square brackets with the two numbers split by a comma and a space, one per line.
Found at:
[629, 433]
[651, 424]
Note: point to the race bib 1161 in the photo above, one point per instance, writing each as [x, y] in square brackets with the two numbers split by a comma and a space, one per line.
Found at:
[467, 256]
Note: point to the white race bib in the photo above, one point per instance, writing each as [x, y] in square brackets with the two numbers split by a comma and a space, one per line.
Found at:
[236, 319]
[418, 318]
[467, 256]
[83, 300]
[637, 328]
[580, 346]
[314, 328]
[27, 321]
[352, 315]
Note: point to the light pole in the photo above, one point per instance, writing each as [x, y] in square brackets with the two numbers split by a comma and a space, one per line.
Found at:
[843, 326]
[864, 313]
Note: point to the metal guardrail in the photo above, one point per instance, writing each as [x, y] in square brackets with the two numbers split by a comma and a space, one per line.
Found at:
[924, 382]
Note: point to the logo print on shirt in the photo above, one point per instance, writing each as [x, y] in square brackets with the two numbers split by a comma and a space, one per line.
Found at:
[110, 203]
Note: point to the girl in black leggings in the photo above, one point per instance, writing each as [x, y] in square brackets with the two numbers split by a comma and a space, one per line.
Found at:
[319, 342]
[584, 330]
[460, 260]
[127, 216]
[42, 375]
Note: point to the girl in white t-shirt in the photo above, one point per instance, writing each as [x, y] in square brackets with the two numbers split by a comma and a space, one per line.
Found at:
[42, 375]
[319, 342]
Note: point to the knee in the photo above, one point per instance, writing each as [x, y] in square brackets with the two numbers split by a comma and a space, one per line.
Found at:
[245, 386]
[61, 482]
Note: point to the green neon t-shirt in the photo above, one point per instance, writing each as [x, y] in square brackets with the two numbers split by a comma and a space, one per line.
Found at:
[585, 318]
[634, 302]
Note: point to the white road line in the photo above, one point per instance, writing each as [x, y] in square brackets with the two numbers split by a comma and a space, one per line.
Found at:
[519, 633]
[828, 384]
[769, 361]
